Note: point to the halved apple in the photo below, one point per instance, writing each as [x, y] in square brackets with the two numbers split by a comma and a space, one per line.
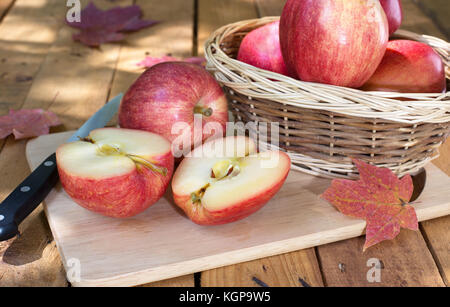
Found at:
[225, 180]
[116, 172]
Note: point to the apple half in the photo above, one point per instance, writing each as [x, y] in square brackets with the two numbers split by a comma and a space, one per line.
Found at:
[226, 180]
[116, 172]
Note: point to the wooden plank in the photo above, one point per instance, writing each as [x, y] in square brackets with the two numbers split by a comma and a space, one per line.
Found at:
[415, 20]
[73, 81]
[182, 281]
[296, 269]
[403, 270]
[431, 18]
[405, 261]
[214, 14]
[158, 243]
[273, 270]
[174, 35]
[439, 12]
[443, 161]
[270, 7]
[25, 38]
[5, 5]
[437, 235]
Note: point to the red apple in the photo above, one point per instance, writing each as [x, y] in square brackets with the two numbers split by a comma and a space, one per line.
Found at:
[261, 48]
[168, 95]
[116, 172]
[338, 42]
[409, 67]
[393, 10]
[227, 180]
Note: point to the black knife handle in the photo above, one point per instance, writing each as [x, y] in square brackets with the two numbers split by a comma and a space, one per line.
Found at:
[26, 197]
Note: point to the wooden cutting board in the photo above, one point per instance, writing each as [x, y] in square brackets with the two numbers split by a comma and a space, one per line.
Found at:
[162, 243]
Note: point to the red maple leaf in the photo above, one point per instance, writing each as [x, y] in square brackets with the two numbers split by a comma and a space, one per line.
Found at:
[98, 27]
[150, 61]
[27, 123]
[379, 197]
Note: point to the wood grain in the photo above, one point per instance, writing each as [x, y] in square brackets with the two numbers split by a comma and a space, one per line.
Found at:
[415, 20]
[211, 18]
[344, 263]
[26, 34]
[392, 252]
[162, 243]
[437, 235]
[295, 269]
[214, 14]
[270, 7]
[174, 35]
[66, 77]
[439, 12]
[431, 18]
[5, 5]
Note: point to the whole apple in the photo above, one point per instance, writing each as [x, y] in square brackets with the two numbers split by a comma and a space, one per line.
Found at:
[226, 180]
[261, 48]
[165, 100]
[409, 67]
[394, 14]
[116, 172]
[338, 42]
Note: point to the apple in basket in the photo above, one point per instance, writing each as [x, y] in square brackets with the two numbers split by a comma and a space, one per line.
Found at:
[165, 100]
[116, 172]
[409, 67]
[338, 42]
[393, 10]
[225, 180]
[261, 48]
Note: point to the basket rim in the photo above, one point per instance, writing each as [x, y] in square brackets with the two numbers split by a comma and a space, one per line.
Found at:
[255, 82]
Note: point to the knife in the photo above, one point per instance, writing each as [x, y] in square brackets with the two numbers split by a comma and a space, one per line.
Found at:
[33, 190]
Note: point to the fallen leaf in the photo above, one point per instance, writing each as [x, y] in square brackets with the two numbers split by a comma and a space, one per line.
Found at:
[151, 61]
[27, 123]
[379, 197]
[98, 27]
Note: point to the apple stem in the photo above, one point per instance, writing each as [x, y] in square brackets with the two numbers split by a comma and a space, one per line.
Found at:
[203, 111]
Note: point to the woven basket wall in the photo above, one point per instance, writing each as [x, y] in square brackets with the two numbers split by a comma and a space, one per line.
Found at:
[322, 126]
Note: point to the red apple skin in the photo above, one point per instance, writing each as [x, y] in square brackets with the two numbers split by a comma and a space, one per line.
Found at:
[394, 14]
[409, 67]
[234, 212]
[121, 196]
[338, 42]
[166, 94]
[261, 48]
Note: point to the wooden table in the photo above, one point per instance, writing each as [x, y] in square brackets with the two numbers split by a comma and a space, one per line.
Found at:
[41, 67]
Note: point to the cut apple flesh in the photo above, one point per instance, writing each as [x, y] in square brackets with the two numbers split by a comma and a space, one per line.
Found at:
[111, 152]
[219, 182]
[194, 173]
[252, 178]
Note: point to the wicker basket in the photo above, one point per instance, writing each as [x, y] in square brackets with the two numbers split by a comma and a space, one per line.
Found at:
[322, 126]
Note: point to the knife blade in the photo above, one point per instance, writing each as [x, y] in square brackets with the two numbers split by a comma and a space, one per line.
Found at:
[33, 190]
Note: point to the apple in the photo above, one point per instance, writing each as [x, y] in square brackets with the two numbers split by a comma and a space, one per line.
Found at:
[116, 172]
[409, 67]
[226, 180]
[338, 42]
[393, 10]
[167, 97]
[261, 48]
